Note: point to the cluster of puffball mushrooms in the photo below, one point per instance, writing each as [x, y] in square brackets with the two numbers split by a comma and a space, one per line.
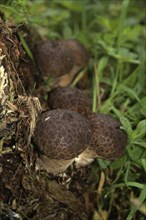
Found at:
[70, 132]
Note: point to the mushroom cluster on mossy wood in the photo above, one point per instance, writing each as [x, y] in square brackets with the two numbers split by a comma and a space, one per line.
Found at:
[57, 58]
[61, 135]
[71, 132]
[70, 98]
[64, 136]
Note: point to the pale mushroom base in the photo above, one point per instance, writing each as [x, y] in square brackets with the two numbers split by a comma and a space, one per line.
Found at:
[52, 166]
[66, 79]
[85, 158]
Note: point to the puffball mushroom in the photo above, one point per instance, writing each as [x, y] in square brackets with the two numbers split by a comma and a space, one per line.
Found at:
[80, 54]
[57, 58]
[108, 140]
[53, 58]
[61, 135]
[70, 98]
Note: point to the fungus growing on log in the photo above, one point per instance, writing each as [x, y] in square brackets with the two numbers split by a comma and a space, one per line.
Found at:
[61, 135]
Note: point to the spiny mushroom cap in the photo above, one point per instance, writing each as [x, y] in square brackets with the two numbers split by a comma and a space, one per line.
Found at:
[108, 140]
[53, 58]
[62, 134]
[70, 98]
[81, 55]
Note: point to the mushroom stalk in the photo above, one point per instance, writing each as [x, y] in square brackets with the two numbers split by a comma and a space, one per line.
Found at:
[52, 166]
[85, 158]
[61, 135]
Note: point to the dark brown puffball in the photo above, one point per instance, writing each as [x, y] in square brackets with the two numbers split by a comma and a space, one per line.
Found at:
[53, 58]
[108, 141]
[62, 134]
[80, 52]
[70, 98]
